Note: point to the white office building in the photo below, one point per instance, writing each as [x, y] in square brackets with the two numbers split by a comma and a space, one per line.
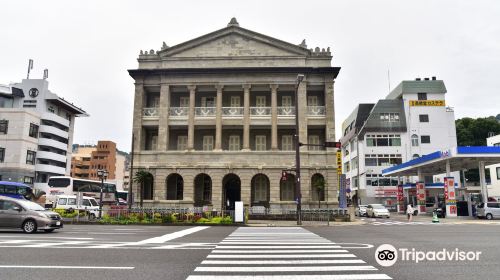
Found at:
[36, 132]
[412, 121]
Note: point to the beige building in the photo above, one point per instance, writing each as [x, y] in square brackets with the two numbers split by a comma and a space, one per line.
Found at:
[214, 121]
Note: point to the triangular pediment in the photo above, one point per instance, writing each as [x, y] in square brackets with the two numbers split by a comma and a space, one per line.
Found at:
[234, 42]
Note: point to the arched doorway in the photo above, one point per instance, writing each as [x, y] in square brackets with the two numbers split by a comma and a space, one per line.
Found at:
[202, 190]
[260, 190]
[175, 187]
[231, 188]
[146, 183]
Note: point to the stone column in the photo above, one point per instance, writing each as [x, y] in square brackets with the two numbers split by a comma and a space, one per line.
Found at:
[246, 118]
[163, 122]
[330, 111]
[218, 121]
[274, 117]
[302, 105]
[137, 118]
[192, 90]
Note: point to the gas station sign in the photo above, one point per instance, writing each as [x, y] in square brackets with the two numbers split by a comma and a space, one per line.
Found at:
[450, 196]
[421, 197]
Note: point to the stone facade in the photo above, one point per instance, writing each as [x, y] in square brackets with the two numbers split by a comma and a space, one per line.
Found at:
[214, 120]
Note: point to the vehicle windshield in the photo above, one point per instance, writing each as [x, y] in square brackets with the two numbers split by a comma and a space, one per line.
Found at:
[378, 206]
[28, 205]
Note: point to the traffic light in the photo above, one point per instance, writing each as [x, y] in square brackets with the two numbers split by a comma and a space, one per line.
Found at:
[337, 145]
[284, 176]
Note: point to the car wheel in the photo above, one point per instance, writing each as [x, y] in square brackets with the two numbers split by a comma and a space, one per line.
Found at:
[489, 216]
[29, 226]
[49, 230]
[92, 216]
[373, 215]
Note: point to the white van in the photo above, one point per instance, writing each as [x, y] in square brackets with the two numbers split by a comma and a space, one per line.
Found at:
[69, 202]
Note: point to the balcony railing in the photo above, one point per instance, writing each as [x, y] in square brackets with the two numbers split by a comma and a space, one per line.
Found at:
[205, 111]
[286, 111]
[232, 111]
[178, 111]
[260, 111]
[316, 110]
[150, 112]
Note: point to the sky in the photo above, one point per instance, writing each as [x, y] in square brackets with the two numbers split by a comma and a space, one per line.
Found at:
[89, 45]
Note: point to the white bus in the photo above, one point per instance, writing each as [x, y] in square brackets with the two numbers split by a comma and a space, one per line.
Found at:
[65, 185]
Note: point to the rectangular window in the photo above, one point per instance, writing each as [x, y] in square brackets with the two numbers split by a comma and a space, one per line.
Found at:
[182, 142]
[424, 118]
[370, 161]
[312, 101]
[28, 180]
[235, 101]
[286, 101]
[234, 142]
[2, 154]
[395, 141]
[4, 126]
[260, 101]
[30, 157]
[260, 143]
[208, 143]
[208, 102]
[382, 142]
[51, 109]
[33, 130]
[498, 173]
[422, 96]
[287, 143]
[184, 102]
[313, 139]
[425, 139]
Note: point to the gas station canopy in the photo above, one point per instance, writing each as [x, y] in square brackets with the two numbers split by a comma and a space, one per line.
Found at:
[459, 158]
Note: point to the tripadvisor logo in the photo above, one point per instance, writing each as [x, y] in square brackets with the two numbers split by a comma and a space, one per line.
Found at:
[387, 255]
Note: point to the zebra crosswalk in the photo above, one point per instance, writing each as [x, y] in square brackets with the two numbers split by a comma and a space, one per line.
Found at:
[281, 253]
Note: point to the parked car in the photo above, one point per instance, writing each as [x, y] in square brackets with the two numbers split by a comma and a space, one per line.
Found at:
[489, 211]
[88, 204]
[377, 210]
[27, 215]
[360, 211]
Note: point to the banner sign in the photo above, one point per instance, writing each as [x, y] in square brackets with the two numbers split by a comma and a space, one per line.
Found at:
[400, 193]
[342, 192]
[427, 103]
[421, 196]
[339, 162]
[450, 196]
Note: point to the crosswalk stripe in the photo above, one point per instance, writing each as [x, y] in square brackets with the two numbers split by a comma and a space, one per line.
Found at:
[283, 268]
[280, 256]
[291, 277]
[247, 262]
[278, 247]
[275, 251]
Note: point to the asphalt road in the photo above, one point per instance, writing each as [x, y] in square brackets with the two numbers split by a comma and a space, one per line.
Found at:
[175, 252]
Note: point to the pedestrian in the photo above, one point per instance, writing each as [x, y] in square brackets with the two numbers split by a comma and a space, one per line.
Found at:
[409, 212]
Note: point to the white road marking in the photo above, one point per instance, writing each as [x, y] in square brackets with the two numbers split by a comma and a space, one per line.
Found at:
[275, 251]
[280, 256]
[67, 267]
[291, 277]
[274, 243]
[280, 247]
[48, 244]
[283, 268]
[247, 262]
[170, 236]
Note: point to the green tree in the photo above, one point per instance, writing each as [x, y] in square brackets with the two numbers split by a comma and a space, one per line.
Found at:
[473, 132]
[142, 177]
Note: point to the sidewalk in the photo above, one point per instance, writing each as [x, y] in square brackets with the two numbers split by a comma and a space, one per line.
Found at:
[455, 220]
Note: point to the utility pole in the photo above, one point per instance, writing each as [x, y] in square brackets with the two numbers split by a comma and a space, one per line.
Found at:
[298, 198]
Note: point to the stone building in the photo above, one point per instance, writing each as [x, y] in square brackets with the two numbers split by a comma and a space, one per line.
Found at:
[214, 121]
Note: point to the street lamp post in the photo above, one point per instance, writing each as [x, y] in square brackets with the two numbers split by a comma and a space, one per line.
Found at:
[102, 174]
[299, 79]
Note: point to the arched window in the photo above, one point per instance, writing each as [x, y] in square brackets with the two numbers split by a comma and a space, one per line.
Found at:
[318, 185]
[414, 140]
[202, 189]
[287, 189]
[175, 187]
[260, 190]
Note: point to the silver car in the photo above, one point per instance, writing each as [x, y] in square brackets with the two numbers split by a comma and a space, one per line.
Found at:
[490, 210]
[27, 215]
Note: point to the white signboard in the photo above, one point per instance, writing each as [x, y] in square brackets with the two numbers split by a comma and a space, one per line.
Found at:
[238, 212]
